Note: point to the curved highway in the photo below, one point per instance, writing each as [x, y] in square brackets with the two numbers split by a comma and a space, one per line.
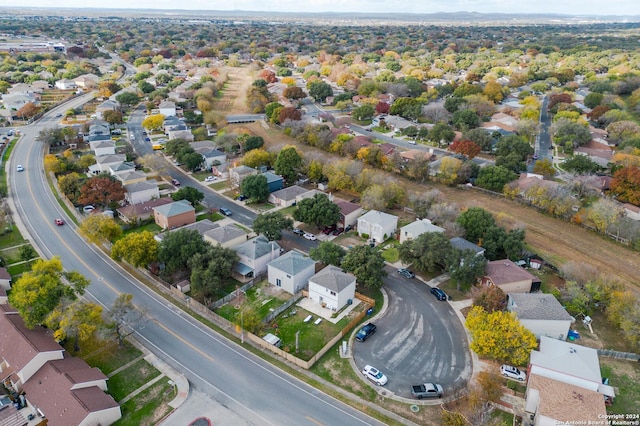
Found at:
[253, 388]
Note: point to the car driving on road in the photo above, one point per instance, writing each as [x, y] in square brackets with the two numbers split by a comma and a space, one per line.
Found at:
[20, 168]
[225, 211]
[58, 222]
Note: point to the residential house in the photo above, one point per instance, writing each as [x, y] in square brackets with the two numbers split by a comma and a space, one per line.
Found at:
[331, 288]
[417, 228]
[254, 256]
[237, 174]
[349, 213]
[510, 277]
[167, 108]
[417, 154]
[180, 132]
[599, 153]
[65, 84]
[541, 313]
[631, 211]
[274, 181]
[565, 384]
[37, 367]
[125, 166]
[377, 226]
[87, 81]
[105, 162]
[138, 212]
[128, 177]
[461, 244]
[291, 271]
[210, 155]
[5, 279]
[228, 236]
[108, 105]
[202, 227]
[174, 215]
[13, 102]
[103, 147]
[287, 197]
[141, 192]
[529, 181]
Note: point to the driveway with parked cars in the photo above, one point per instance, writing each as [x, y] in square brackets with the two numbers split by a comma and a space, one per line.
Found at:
[419, 339]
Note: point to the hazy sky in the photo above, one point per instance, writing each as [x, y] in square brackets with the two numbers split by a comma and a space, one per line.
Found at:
[573, 7]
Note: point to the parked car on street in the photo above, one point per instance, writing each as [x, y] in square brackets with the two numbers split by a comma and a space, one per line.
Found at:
[310, 237]
[512, 372]
[374, 375]
[426, 390]
[439, 294]
[298, 231]
[210, 178]
[175, 182]
[406, 273]
[366, 331]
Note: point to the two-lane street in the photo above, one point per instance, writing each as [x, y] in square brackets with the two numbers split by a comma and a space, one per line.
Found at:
[256, 390]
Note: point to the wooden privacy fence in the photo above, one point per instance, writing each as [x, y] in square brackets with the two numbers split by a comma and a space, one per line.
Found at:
[280, 309]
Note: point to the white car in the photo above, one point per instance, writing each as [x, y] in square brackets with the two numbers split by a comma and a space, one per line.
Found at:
[310, 237]
[374, 375]
[513, 373]
[20, 168]
[209, 178]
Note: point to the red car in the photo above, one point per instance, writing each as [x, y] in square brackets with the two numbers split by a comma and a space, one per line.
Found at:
[59, 222]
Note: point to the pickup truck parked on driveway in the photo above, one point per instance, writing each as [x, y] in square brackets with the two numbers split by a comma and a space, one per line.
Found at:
[426, 390]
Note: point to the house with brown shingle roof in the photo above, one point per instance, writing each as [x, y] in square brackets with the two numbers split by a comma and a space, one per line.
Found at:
[142, 211]
[510, 277]
[65, 390]
[349, 212]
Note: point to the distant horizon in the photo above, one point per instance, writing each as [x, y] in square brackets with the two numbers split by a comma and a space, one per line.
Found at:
[618, 8]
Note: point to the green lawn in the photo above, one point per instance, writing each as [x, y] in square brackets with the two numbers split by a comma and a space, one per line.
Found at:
[391, 255]
[107, 356]
[624, 376]
[12, 238]
[148, 406]
[131, 378]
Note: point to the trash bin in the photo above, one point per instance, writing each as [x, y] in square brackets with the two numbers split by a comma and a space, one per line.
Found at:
[369, 311]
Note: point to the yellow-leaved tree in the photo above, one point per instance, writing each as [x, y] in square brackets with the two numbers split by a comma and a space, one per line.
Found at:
[500, 336]
[78, 320]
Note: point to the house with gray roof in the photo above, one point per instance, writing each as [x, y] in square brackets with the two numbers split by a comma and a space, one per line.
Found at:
[254, 255]
[141, 192]
[103, 147]
[417, 228]
[378, 226]
[237, 174]
[174, 215]
[228, 236]
[104, 162]
[332, 288]
[291, 271]
[210, 155]
[288, 196]
[461, 244]
[541, 313]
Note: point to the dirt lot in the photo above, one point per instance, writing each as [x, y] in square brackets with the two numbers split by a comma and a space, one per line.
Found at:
[553, 239]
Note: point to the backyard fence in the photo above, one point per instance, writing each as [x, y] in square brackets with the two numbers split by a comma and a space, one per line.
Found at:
[618, 355]
[234, 294]
[280, 309]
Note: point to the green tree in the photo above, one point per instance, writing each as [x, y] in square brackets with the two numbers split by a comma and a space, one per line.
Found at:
[211, 268]
[318, 210]
[179, 247]
[256, 188]
[99, 228]
[288, 164]
[188, 193]
[319, 90]
[467, 268]
[113, 117]
[39, 291]
[77, 320]
[271, 225]
[465, 119]
[328, 253]
[128, 98]
[476, 221]
[364, 112]
[367, 264]
[442, 133]
[500, 336]
[580, 164]
[137, 248]
[253, 142]
[27, 252]
[429, 252]
[494, 178]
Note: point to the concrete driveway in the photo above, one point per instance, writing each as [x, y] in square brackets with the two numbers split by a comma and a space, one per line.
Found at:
[418, 339]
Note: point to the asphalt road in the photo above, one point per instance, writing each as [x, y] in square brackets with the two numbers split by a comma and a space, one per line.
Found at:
[418, 339]
[249, 386]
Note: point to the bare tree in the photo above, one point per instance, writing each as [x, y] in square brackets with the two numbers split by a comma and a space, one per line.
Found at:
[125, 317]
